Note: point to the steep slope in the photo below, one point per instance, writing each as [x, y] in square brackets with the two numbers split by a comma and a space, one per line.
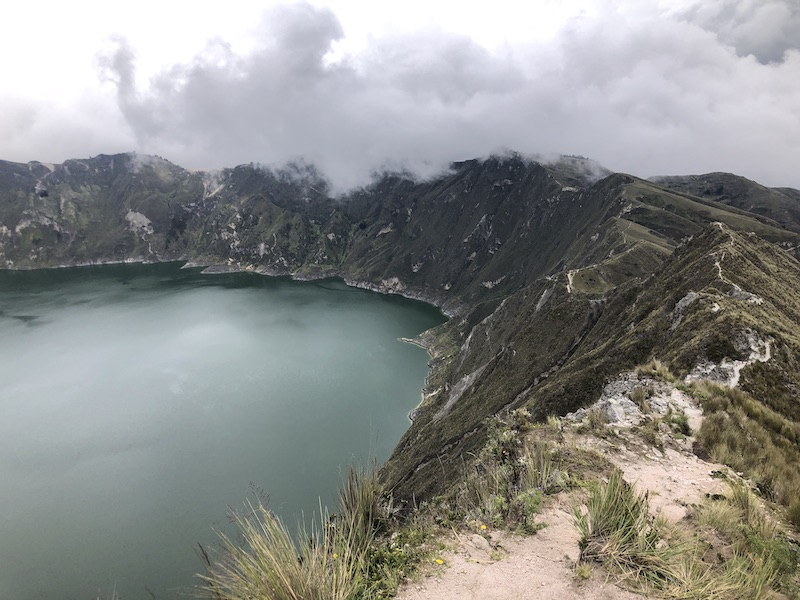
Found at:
[718, 299]
[556, 279]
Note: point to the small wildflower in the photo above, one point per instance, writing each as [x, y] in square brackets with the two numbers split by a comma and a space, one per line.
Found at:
[483, 527]
[335, 555]
[439, 561]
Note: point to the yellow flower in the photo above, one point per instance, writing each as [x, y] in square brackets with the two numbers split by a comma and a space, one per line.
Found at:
[483, 527]
[335, 555]
[439, 561]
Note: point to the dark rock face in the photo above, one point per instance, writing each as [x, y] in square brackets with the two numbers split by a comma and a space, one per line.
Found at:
[555, 280]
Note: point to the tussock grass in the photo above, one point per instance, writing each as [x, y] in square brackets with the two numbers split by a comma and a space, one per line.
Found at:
[617, 530]
[678, 421]
[756, 555]
[640, 396]
[265, 562]
[364, 551]
[751, 438]
[650, 556]
[327, 562]
[656, 368]
[793, 512]
[365, 510]
[739, 578]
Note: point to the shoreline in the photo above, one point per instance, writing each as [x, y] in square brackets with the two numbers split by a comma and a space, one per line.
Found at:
[391, 287]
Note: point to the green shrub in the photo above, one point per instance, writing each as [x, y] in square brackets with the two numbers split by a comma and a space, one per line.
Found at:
[395, 557]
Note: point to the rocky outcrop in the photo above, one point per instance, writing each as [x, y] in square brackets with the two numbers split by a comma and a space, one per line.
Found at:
[728, 371]
[631, 398]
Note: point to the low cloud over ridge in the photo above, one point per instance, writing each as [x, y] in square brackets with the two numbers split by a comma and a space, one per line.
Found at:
[700, 87]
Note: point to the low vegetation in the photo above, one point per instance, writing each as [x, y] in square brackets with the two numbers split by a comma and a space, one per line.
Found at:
[506, 484]
[752, 438]
[266, 562]
[728, 548]
[731, 546]
[370, 545]
[616, 529]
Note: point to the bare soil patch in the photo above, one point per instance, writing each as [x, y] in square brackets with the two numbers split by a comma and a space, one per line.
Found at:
[503, 566]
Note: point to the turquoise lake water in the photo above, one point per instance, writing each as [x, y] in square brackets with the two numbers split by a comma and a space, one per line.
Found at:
[138, 401]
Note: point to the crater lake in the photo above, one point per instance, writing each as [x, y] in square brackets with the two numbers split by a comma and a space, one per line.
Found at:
[139, 402]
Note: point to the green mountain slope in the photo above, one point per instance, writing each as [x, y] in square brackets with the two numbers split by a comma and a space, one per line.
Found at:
[781, 205]
[551, 349]
[555, 279]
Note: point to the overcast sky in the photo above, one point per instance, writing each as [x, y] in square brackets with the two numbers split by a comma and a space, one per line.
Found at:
[649, 87]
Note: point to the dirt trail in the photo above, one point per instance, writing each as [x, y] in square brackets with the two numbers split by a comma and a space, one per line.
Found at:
[515, 568]
[510, 567]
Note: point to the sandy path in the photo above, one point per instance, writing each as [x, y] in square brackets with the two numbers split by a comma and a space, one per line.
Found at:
[541, 566]
[674, 481]
[538, 566]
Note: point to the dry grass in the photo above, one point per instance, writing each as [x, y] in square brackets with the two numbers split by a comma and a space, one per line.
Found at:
[616, 530]
[674, 562]
[329, 561]
[656, 368]
[752, 438]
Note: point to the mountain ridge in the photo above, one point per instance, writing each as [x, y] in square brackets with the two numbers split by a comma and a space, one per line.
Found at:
[554, 279]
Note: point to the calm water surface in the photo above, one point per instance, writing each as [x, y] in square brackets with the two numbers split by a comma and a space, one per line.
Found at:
[137, 401]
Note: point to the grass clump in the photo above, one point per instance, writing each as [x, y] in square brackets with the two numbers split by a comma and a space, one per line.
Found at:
[583, 570]
[616, 530]
[748, 547]
[656, 368]
[678, 421]
[363, 551]
[730, 549]
[793, 513]
[641, 397]
[266, 562]
[329, 561]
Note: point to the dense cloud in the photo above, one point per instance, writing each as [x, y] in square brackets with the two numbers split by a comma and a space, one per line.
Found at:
[694, 87]
[767, 29]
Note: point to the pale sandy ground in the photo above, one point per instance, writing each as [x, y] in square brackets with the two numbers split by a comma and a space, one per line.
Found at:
[541, 566]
